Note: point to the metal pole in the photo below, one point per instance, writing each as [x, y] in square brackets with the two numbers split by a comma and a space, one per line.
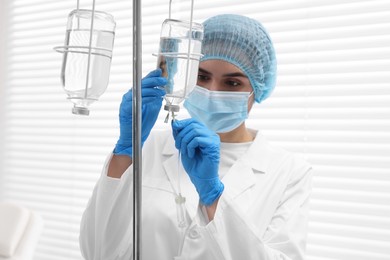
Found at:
[137, 128]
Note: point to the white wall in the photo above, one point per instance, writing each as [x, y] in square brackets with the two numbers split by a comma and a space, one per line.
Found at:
[3, 69]
[331, 104]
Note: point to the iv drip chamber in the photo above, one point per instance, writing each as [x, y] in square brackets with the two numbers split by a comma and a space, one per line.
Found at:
[178, 58]
[87, 54]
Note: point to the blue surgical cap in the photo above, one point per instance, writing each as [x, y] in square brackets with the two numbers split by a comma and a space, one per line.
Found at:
[243, 42]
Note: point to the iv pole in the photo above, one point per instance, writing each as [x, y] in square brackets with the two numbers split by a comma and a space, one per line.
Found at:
[137, 124]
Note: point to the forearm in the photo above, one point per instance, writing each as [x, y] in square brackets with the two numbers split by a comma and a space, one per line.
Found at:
[118, 165]
[106, 222]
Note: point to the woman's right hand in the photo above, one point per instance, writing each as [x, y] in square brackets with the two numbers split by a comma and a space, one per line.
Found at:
[200, 153]
[152, 97]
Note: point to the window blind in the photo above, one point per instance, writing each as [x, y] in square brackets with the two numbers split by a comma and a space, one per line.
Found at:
[331, 105]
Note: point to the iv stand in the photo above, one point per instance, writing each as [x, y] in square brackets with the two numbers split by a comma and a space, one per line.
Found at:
[137, 128]
[137, 125]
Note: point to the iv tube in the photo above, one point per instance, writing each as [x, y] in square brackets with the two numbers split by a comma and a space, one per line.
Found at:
[180, 208]
[180, 200]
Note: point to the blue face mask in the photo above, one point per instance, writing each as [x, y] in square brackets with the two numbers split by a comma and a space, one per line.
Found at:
[220, 111]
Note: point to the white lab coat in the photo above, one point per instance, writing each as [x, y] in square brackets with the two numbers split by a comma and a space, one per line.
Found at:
[262, 213]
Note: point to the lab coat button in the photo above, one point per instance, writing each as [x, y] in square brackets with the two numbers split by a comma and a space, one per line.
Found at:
[194, 233]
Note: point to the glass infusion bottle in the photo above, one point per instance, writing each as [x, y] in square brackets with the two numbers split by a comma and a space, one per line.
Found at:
[178, 57]
[86, 57]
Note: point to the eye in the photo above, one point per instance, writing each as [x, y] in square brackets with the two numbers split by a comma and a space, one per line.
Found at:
[233, 83]
[203, 78]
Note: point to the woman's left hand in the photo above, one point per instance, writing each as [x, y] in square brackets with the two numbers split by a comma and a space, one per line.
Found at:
[200, 152]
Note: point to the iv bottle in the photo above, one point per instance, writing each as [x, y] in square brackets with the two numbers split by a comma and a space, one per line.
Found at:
[86, 57]
[178, 58]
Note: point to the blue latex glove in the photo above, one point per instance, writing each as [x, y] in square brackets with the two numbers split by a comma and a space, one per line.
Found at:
[199, 148]
[151, 104]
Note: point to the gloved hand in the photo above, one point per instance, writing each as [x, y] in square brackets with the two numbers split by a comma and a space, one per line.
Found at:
[199, 148]
[151, 105]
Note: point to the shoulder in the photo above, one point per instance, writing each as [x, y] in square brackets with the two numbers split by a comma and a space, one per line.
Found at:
[276, 159]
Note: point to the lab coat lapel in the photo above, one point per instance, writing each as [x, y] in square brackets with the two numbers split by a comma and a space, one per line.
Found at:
[171, 170]
[245, 173]
[238, 179]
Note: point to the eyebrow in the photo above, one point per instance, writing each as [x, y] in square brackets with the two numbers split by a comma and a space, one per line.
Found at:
[204, 71]
[234, 74]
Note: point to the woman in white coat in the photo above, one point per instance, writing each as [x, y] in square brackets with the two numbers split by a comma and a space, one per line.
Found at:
[231, 195]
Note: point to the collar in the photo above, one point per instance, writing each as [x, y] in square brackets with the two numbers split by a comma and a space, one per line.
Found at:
[242, 174]
[256, 156]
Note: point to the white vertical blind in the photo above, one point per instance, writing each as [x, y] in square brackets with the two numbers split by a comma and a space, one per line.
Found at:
[331, 104]
[3, 22]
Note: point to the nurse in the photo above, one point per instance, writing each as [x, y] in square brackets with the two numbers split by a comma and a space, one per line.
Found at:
[212, 188]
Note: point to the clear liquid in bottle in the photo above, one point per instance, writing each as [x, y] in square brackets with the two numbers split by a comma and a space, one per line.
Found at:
[178, 58]
[82, 83]
[87, 53]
